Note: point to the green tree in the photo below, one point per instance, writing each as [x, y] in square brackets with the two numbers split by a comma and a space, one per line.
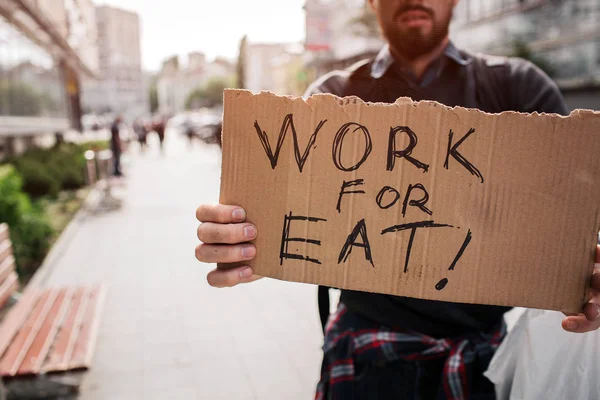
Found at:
[195, 98]
[240, 67]
[209, 95]
[214, 90]
[522, 50]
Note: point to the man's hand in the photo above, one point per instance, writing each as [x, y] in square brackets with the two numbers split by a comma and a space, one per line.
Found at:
[224, 234]
[589, 320]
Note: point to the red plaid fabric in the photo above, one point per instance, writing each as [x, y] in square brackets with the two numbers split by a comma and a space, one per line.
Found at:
[350, 339]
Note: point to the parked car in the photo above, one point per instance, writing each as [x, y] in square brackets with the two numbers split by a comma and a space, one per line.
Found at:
[203, 124]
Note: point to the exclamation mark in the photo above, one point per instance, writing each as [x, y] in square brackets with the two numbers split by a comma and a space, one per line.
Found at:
[443, 282]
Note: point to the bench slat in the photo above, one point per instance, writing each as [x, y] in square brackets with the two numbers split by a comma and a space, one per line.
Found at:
[6, 267]
[4, 235]
[86, 340]
[18, 348]
[8, 287]
[14, 319]
[5, 250]
[39, 348]
[60, 353]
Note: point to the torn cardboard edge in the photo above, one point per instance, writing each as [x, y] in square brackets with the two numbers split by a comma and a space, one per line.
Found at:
[355, 100]
[248, 177]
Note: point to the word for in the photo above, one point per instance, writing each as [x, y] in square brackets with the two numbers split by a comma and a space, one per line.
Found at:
[388, 196]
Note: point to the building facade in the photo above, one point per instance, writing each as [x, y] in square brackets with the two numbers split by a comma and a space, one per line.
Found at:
[119, 88]
[339, 33]
[258, 64]
[562, 36]
[39, 73]
[175, 82]
[82, 32]
[288, 72]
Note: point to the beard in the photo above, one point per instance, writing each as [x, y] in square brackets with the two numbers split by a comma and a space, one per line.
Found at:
[412, 43]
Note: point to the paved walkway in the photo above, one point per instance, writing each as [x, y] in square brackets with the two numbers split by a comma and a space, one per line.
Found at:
[164, 332]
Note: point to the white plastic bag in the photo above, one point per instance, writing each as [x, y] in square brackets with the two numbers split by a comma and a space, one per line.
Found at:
[539, 360]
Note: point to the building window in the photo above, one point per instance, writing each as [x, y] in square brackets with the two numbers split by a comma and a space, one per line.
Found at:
[30, 80]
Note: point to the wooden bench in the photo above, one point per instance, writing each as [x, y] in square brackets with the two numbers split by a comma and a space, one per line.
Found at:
[9, 280]
[47, 329]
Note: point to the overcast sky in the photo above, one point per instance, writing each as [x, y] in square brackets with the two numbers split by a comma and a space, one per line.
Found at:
[213, 27]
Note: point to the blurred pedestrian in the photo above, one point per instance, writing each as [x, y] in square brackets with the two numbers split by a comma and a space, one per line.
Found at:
[190, 131]
[59, 139]
[142, 133]
[159, 127]
[116, 146]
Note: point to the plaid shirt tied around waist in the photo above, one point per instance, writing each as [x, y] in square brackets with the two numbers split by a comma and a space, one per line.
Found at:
[350, 339]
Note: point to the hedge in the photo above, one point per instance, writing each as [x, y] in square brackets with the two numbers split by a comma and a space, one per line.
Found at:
[30, 230]
[46, 172]
[35, 174]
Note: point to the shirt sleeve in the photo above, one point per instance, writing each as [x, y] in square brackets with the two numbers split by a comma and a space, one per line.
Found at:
[533, 90]
[333, 83]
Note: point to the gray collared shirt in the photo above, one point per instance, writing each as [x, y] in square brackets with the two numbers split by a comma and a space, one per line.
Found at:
[450, 80]
[384, 61]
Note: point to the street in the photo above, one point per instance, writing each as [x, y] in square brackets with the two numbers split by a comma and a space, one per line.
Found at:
[165, 333]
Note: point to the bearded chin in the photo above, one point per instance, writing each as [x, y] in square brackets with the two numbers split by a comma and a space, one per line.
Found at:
[413, 44]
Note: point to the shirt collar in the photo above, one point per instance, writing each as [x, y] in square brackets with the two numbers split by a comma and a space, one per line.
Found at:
[384, 60]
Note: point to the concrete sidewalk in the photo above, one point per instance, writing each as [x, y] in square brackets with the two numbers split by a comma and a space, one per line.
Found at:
[164, 332]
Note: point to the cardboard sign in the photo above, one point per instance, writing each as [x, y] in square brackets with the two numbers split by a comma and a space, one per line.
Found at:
[417, 199]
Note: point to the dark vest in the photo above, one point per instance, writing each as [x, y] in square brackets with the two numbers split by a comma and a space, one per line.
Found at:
[487, 77]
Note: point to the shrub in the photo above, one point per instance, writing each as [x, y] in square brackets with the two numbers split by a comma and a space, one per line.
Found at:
[68, 163]
[94, 145]
[30, 231]
[39, 179]
[72, 177]
[31, 239]
[47, 171]
[13, 202]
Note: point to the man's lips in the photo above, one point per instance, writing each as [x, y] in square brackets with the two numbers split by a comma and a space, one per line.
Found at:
[414, 16]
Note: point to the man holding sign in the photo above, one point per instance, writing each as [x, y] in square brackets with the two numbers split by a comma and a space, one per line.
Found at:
[383, 346]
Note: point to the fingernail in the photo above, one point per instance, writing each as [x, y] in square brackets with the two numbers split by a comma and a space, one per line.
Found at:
[250, 232]
[572, 325]
[248, 251]
[597, 312]
[246, 273]
[238, 214]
